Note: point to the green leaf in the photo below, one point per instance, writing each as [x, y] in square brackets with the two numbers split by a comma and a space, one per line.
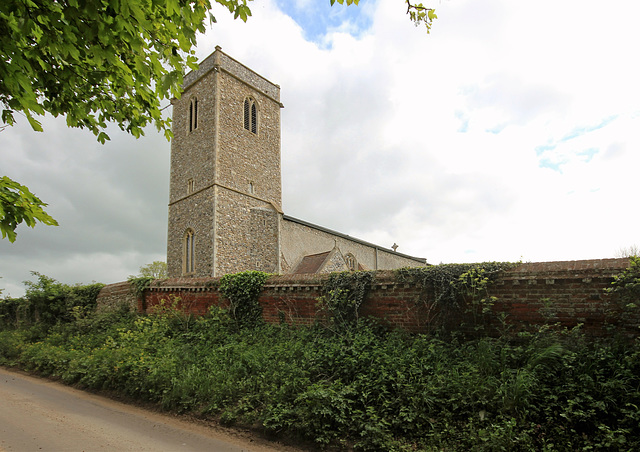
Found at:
[35, 125]
[18, 205]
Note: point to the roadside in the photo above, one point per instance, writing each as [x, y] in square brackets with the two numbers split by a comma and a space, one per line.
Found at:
[40, 414]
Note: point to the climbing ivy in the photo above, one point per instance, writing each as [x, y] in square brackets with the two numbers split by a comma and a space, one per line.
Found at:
[343, 294]
[139, 284]
[242, 291]
[451, 284]
[459, 287]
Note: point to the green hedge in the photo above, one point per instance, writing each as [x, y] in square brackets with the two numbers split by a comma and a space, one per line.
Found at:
[359, 388]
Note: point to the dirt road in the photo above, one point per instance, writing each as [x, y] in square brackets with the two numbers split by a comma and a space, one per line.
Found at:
[40, 415]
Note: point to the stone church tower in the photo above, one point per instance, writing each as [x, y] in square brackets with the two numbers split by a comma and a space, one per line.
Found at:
[225, 189]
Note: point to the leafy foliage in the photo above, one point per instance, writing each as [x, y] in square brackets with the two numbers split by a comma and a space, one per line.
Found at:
[448, 283]
[17, 205]
[9, 311]
[48, 302]
[456, 287]
[120, 58]
[242, 291]
[626, 285]
[344, 293]
[365, 389]
[139, 284]
[418, 13]
[156, 270]
[421, 15]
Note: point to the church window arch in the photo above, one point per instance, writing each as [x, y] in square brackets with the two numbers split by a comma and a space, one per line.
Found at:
[250, 115]
[188, 254]
[352, 263]
[193, 114]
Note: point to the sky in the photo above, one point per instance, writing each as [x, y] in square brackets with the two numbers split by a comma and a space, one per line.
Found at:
[510, 132]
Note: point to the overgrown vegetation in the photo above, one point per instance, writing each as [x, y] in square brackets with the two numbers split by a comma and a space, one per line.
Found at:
[139, 284]
[451, 289]
[366, 388]
[344, 293]
[626, 285]
[242, 290]
[48, 302]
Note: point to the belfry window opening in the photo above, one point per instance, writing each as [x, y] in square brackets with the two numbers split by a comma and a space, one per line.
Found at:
[250, 115]
[193, 114]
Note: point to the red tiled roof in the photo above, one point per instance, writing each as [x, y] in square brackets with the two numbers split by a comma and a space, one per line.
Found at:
[311, 263]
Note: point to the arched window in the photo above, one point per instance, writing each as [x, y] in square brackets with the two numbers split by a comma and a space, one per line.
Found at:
[254, 118]
[189, 260]
[352, 263]
[250, 115]
[193, 114]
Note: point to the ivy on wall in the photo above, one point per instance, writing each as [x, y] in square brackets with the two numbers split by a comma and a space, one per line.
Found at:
[242, 290]
[139, 284]
[343, 294]
[456, 287]
[449, 284]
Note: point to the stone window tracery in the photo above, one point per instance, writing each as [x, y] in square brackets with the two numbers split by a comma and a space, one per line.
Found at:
[352, 263]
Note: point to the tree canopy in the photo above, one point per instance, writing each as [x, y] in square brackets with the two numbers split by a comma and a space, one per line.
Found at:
[95, 62]
[155, 270]
[99, 61]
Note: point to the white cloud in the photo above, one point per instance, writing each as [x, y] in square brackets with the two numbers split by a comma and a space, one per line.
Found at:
[512, 130]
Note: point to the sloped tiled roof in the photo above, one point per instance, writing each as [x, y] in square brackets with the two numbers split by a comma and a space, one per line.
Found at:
[311, 264]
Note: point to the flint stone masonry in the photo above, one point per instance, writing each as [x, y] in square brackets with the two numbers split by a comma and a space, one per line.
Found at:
[113, 296]
[577, 296]
[225, 184]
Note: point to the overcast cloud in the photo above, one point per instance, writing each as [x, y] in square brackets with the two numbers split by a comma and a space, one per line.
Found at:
[510, 132]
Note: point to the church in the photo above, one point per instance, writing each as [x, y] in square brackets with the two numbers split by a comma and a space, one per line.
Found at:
[225, 200]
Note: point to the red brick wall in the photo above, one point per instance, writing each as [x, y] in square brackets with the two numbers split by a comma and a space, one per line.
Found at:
[569, 293]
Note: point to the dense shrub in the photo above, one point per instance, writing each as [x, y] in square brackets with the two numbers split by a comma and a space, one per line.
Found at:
[362, 388]
[48, 301]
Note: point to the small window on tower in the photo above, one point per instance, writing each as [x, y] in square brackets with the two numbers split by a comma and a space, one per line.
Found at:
[250, 115]
[193, 114]
[188, 254]
[190, 186]
[254, 119]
